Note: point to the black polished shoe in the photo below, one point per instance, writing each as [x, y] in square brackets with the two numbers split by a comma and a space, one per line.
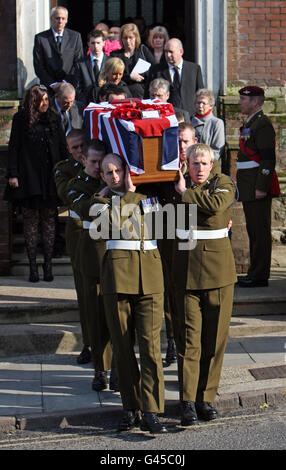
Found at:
[188, 413]
[205, 411]
[100, 381]
[171, 353]
[129, 420]
[85, 356]
[248, 282]
[113, 380]
[242, 278]
[150, 422]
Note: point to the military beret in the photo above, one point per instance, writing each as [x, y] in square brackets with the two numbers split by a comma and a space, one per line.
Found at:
[251, 90]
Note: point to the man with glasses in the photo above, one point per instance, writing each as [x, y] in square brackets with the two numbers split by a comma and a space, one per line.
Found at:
[64, 104]
[159, 89]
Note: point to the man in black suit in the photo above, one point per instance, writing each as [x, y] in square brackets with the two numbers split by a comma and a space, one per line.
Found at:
[89, 68]
[70, 111]
[185, 77]
[57, 50]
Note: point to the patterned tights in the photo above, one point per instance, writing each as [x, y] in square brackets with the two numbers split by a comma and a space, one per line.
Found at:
[33, 218]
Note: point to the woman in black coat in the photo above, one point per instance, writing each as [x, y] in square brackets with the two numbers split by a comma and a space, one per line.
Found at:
[37, 143]
[131, 51]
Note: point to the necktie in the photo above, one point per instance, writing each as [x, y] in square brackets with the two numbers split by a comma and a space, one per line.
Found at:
[177, 86]
[176, 78]
[59, 41]
[95, 67]
[65, 120]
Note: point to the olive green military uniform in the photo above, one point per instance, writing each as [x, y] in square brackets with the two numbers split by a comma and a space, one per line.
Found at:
[168, 195]
[64, 171]
[132, 286]
[204, 282]
[80, 190]
[257, 136]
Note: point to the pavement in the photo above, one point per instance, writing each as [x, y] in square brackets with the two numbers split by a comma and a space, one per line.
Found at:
[42, 386]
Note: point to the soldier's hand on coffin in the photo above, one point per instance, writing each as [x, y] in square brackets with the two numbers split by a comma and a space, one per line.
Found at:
[13, 182]
[260, 194]
[129, 186]
[180, 185]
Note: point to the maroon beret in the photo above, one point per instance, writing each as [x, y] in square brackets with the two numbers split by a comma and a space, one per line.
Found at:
[251, 90]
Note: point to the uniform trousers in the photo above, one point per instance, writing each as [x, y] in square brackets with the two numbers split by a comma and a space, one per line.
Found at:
[204, 318]
[98, 332]
[72, 235]
[166, 250]
[258, 225]
[129, 316]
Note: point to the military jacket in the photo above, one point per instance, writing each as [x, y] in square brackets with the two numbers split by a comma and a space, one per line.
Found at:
[210, 264]
[64, 171]
[80, 190]
[257, 136]
[128, 271]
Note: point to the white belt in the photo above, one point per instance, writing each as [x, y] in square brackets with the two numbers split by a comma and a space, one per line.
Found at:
[85, 224]
[202, 234]
[246, 165]
[73, 215]
[131, 245]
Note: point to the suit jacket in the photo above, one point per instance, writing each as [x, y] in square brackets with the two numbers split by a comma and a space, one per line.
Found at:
[85, 78]
[210, 264]
[75, 114]
[51, 65]
[191, 81]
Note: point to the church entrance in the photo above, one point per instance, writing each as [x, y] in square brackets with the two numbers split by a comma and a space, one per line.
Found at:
[178, 18]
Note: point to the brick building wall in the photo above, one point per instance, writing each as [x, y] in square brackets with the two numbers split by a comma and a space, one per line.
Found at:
[257, 42]
[256, 51]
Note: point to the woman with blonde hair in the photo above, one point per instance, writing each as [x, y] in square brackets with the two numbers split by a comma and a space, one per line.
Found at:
[131, 51]
[158, 40]
[112, 72]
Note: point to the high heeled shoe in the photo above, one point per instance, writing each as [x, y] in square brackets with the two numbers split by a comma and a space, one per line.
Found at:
[48, 275]
[34, 275]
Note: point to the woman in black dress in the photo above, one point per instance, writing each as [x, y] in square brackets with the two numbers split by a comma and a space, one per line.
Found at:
[37, 143]
[131, 51]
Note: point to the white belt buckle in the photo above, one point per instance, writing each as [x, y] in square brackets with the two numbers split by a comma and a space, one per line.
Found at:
[137, 245]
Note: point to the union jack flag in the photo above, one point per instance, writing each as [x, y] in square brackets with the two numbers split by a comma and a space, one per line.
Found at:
[125, 137]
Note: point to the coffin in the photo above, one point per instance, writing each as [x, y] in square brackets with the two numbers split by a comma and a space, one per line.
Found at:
[152, 155]
[149, 146]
